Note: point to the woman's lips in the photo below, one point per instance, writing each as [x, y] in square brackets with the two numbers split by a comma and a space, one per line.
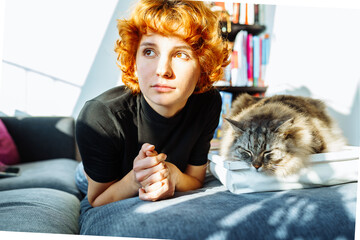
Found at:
[163, 88]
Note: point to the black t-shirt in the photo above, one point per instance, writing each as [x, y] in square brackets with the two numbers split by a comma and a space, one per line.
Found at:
[112, 127]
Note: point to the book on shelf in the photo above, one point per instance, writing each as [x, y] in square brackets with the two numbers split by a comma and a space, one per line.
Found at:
[241, 13]
[234, 66]
[250, 13]
[261, 82]
[249, 58]
[239, 74]
[242, 16]
[226, 98]
[256, 13]
[249, 61]
[236, 13]
[246, 14]
[256, 60]
[265, 56]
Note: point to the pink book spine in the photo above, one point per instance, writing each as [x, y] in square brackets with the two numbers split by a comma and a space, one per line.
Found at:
[261, 82]
[249, 52]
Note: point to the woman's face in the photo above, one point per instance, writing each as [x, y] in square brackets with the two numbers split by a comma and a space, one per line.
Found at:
[168, 71]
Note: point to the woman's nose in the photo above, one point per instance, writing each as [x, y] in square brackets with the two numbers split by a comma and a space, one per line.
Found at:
[164, 68]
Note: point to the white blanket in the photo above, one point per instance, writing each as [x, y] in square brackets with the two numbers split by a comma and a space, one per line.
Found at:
[325, 169]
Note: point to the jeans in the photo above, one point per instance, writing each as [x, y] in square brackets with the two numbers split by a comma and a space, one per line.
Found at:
[80, 179]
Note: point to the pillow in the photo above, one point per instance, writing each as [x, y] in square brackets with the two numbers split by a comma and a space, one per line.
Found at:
[325, 169]
[8, 152]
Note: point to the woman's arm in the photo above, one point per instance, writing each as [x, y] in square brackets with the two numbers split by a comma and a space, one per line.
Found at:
[146, 165]
[192, 179]
[103, 193]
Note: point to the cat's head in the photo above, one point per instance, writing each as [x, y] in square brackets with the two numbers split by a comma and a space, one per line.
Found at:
[269, 146]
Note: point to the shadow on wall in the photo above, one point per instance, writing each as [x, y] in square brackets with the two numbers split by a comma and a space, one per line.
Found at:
[349, 123]
[104, 73]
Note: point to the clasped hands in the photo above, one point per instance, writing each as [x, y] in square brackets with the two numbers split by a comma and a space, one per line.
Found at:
[155, 177]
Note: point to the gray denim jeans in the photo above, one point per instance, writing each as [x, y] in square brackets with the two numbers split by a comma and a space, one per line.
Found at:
[80, 179]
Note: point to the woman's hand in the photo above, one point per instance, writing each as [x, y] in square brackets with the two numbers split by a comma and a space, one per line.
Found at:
[149, 167]
[162, 189]
[156, 178]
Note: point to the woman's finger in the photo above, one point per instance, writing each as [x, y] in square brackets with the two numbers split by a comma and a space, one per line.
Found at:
[148, 162]
[155, 177]
[152, 153]
[143, 174]
[153, 187]
[165, 191]
[146, 147]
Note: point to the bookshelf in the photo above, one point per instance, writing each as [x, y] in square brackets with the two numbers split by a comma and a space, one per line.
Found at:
[244, 26]
[238, 90]
[254, 29]
[235, 91]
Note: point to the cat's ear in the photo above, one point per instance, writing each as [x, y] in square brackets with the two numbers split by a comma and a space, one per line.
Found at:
[236, 125]
[284, 124]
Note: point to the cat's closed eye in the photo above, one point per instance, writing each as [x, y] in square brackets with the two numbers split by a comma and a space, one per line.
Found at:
[267, 155]
[244, 155]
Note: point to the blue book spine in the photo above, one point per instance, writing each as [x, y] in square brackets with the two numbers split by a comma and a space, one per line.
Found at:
[225, 109]
[256, 60]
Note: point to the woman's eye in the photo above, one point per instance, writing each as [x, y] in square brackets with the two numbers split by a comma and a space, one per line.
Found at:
[149, 53]
[182, 55]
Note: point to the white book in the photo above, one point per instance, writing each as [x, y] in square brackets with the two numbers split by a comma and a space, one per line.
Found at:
[242, 13]
[348, 153]
[325, 169]
[251, 14]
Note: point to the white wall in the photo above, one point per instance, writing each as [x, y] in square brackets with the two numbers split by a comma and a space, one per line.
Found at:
[315, 52]
[49, 48]
[104, 73]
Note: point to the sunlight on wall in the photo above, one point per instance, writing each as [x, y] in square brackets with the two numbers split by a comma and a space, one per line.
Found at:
[313, 53]
[49, 47]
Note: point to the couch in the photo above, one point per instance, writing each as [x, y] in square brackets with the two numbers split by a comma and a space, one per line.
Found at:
[44, 198]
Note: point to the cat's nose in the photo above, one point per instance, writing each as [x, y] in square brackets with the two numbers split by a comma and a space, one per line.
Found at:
[257, 165]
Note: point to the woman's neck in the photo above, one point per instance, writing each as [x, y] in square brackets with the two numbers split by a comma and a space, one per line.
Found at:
[165, 111]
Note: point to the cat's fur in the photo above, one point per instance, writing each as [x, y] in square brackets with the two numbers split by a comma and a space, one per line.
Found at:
[276, 135]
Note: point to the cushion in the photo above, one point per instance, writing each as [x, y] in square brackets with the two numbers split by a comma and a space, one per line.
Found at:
[42, 138]
[325, 169]
[39, 210]
[213, 212]
[8, 152]
[55, 173]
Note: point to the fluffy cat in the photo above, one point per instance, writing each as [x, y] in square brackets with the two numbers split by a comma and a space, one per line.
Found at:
[276, 135]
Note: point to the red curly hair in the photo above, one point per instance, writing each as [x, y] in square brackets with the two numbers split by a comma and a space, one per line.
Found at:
[191, 21]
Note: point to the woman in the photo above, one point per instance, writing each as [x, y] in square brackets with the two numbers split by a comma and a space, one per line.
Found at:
[151, 137]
